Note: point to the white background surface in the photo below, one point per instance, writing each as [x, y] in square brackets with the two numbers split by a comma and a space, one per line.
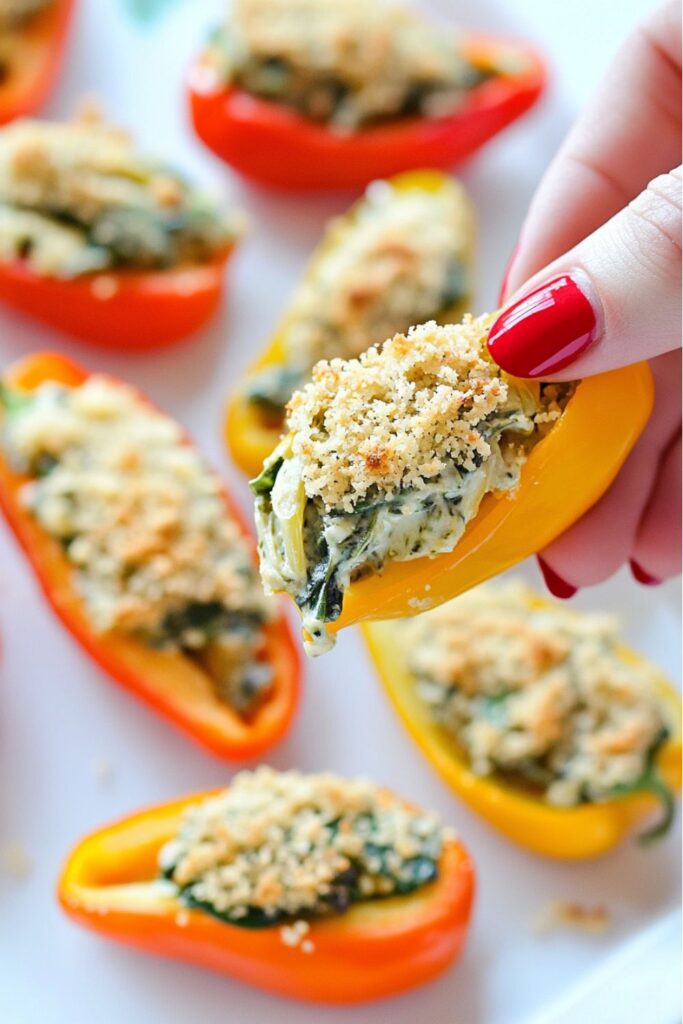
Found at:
[61, 721]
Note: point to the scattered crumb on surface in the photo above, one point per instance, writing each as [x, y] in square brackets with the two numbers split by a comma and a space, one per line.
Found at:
[15, 860]
[103, 771]
[558, 914]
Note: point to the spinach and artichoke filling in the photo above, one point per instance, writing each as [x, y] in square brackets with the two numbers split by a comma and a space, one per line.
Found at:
[77, 197]
[541, 695]
[387, 458]
[398, 258]
[143, 523]
[346, 64]
[283, 847]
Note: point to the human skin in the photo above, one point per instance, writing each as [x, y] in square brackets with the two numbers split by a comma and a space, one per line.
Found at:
[607, 217]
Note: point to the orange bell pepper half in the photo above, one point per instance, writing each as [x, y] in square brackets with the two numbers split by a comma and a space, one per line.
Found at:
[567, 833]
[276, 145]
[32, 56]
[168, 681]
[118, 309]
[375, 949]
[564, 475]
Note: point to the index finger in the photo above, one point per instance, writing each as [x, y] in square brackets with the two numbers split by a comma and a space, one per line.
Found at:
[630, 133]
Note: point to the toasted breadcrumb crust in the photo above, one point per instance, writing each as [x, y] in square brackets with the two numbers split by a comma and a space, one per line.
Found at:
[380, 271]
[278, 842]
[142, 517]
[78, 196]
[345, 62]
[398, 416]
[540, 691]
[566, 914]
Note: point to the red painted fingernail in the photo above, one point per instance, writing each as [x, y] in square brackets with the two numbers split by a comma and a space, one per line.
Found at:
[545, 330]
[506, 275]
[643, 577]
[555, 584]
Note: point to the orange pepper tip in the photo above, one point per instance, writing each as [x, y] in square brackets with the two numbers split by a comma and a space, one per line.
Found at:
[375, 949]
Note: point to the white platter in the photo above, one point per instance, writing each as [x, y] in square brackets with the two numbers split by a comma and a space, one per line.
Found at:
[64, 727]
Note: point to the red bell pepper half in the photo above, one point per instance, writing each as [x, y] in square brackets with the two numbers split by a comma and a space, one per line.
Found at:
[275, 145]
[118, 309]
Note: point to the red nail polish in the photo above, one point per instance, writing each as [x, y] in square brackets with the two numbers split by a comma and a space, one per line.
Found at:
[555, 584]
[545, 330]
[506, 275]
[643, 577]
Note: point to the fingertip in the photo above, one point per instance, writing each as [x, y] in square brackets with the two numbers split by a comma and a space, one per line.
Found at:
[641, 575]
[557, 586]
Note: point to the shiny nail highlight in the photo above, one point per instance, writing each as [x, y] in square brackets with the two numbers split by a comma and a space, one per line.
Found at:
[545, 330]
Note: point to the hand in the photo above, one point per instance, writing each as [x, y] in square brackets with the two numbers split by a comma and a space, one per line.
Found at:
[609, 294]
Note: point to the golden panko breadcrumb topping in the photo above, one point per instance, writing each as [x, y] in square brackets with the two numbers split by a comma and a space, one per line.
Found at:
[78, 196]
[398, 416]
[143, 518]
[284, 843]
[347, 62]
[539, 690]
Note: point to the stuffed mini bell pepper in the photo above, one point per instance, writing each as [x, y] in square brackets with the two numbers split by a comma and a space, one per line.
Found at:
[399, 256]
[308, 886]
[102, 242]
[142, 556]
[537, 717]
[421, 469]
[32, 38]
[323, 94]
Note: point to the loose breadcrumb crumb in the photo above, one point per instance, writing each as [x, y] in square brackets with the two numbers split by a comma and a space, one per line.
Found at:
[558, 914]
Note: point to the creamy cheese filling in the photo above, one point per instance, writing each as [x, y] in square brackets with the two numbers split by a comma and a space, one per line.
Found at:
[282, 845]
[387, 459]
[77, 197]
[143, 521]
[348, 64]
[538, 693]
[399, 258]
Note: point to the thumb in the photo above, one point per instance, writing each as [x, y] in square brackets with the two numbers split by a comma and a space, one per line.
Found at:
[612, 300]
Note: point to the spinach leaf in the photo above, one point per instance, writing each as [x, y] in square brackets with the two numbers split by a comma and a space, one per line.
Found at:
[652, 782]
[13, 401]
[265, 481]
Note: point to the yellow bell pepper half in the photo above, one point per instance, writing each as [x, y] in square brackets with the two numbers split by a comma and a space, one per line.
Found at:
[251, 434]
[564, 475]
[568, 833]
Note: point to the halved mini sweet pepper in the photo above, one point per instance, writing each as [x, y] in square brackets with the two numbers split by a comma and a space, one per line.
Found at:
[568, 833]
[564, 475]
[251, 432]
[31, 60]
[374, 949]
[276, 145]
[119, 309]
[168, 681]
